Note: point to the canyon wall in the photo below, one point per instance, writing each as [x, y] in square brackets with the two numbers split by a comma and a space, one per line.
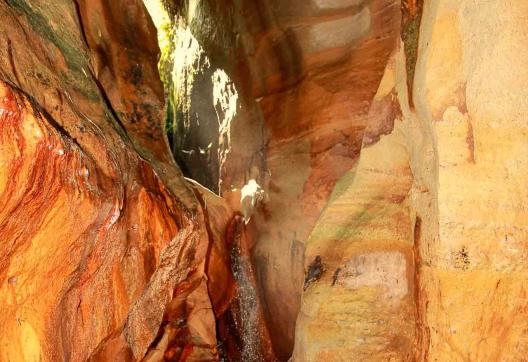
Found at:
[359, 188]
[390, 206]
[103, 242]
[292, 108]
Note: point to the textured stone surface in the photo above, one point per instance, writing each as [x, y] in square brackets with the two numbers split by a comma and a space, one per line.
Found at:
[430, 187]
[100, 234]
[363, 306]
[397, 110]
[291, 115]
[360, 171]
[476, 271]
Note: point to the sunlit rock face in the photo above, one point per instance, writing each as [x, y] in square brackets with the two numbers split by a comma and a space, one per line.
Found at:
[301, 77]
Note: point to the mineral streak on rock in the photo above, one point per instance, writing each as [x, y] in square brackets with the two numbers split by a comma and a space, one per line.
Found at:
[410, 32]
[97, 224]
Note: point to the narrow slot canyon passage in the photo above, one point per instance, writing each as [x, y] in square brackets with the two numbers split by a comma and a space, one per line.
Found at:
[263, 180]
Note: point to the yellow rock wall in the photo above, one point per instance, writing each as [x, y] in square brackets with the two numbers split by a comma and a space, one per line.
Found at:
[441, 197]
[470, 87]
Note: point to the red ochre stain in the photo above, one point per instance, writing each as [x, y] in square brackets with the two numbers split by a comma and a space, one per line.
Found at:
[30, 193]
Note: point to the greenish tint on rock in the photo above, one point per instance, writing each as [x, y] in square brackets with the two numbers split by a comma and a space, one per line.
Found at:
[410, 34]
[342, 185]
[67, 43]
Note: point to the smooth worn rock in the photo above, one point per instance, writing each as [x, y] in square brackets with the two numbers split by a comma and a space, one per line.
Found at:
[99, 229]
[263, 180]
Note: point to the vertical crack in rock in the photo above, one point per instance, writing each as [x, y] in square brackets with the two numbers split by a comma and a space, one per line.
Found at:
[410, 33]
[423, 334]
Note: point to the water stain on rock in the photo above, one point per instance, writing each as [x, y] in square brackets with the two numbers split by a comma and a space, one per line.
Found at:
[315, 271]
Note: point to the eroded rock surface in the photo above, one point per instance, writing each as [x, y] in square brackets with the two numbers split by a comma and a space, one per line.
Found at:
[359, 180]
[301, 78]
[100, 234]
[368, 137]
